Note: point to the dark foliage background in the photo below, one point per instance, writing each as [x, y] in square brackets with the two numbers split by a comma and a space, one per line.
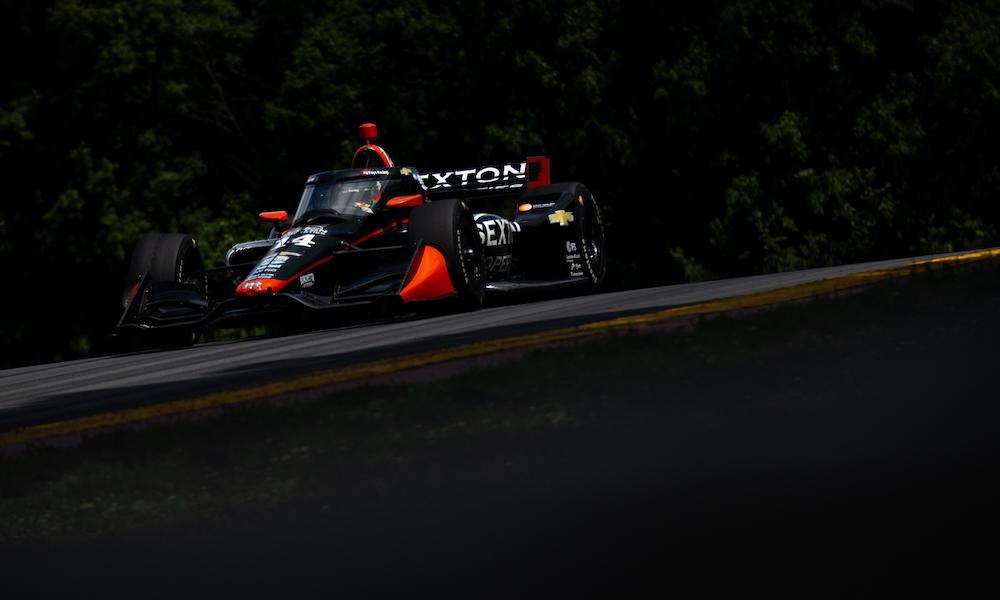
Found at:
[722, 137]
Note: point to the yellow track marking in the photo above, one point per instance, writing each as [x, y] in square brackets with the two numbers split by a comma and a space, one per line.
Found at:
[383, 367]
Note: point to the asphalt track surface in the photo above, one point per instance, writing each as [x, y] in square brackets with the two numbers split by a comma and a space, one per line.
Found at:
[52, 392]
[855, 457]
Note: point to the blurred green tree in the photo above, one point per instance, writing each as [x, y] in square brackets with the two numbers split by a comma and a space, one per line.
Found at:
[722, 137]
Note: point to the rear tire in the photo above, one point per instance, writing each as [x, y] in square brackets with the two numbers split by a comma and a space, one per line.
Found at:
[576, 251]
[448, 226]
[590, 236]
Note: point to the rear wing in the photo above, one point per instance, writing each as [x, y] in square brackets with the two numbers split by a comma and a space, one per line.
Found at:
[489, 181]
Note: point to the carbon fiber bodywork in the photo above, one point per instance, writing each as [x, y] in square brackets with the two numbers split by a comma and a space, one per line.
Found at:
[349, 245]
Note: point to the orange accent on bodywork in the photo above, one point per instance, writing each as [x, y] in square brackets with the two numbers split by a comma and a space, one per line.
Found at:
[368, 132]
[261, 287]
[405, 201]
[428, 278]
[273, 286]
[369, 236]
[273, 216]
[392, 227]
[383, 156]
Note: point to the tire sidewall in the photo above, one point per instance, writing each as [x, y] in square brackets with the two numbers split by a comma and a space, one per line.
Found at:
[468, 275]
[590, 214]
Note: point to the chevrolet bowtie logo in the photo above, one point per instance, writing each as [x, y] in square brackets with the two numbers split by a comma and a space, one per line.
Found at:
[561, 217]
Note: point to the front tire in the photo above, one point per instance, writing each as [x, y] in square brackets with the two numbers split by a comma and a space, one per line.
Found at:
[449, 226]
[167, 258]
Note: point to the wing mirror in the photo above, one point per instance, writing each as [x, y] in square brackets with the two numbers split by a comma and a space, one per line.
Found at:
[274, 216]
[405, 201]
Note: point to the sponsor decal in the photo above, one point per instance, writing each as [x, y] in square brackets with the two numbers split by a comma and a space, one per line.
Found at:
[242, 246]
[252, 286]
[305, 240]
[498, 264]
[275, 260]
[314, 229]
[497, 232]
[373, 172]
[484, 178]
[572, 256]
[561, 218]
[288, 253]
[307, 280]
[405, 171]
[461, 263]
[526, 206]
[268, 266]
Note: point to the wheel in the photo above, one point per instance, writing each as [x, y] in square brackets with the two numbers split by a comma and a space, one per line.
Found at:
[575, 248]
[168, 258]
[590, 236]
[448, 225]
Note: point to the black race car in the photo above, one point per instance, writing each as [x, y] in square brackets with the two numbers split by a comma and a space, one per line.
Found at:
[376, 234]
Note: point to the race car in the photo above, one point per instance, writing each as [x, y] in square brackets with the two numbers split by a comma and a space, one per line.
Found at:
[376, 234]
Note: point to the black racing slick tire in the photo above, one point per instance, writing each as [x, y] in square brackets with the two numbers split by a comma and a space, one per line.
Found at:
[574, 248]
[590, 235]
[167, 258]
[448, 225]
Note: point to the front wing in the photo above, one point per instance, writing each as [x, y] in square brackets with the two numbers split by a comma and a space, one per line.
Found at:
[401, 279]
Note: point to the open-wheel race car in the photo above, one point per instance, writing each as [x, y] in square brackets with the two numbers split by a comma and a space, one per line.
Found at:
[376, 234]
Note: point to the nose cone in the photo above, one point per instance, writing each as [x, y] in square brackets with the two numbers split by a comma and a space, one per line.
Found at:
[260, 287]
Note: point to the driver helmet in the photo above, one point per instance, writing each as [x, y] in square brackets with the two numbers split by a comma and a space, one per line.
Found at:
[369, 196]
